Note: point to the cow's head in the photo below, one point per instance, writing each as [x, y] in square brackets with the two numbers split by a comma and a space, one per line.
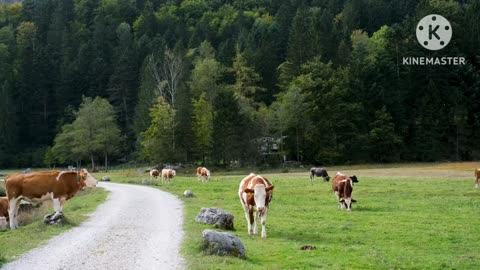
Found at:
[261, 195]
[174, 173]
[326, 178]
[87, 179]
[354, 179]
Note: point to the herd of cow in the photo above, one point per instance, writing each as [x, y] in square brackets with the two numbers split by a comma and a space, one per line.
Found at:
[255, 192]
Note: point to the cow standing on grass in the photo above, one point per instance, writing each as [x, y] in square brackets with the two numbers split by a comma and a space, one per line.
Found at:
[342, 186]
[203, 174]
[36, 187]
[477, 177]
[154, 173]
[167, 175]
[255, 194]
[319, 172]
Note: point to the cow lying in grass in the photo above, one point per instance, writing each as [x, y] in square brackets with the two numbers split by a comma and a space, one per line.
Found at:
[342, 186]
[36, 187]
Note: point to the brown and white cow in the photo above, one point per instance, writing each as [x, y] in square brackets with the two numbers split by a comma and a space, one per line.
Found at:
[4, 207]
[255, 194]
[203, 174]
[342, 186]
[154, 173]
[167, 175]
[35, 187]
[477, 177]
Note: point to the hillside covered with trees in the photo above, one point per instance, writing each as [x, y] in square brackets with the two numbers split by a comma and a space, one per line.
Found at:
[242, 81]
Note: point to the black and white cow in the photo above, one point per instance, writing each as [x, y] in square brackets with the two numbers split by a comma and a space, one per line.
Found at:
[320, 172]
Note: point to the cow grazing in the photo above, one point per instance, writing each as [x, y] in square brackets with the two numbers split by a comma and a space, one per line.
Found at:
[342, 186]
[477, 177]
[203, 174]
[35, 187]
[167, 175]
[4, 207]
[154, 173]
[319, 172]
[255, 194]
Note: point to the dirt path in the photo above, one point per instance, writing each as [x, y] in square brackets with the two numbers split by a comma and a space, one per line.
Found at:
[136, 228]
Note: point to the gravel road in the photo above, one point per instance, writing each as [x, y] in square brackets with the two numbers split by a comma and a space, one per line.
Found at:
[137, 227]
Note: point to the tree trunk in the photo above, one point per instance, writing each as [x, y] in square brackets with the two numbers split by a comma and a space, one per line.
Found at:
[298, 147]
[93, 164]
[106, 161]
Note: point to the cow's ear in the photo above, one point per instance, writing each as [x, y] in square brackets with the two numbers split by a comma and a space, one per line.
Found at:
[270, 188]
[247, 190]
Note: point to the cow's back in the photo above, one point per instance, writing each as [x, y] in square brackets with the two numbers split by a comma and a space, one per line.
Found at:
[38, 184]
[336, 181]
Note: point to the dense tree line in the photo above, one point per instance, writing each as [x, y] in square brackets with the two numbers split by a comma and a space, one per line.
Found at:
[237, 81]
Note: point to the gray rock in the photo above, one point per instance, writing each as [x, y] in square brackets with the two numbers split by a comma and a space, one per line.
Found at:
[54, 218]
[188, 193]
[147, 182]
[217, 217]
[28, 170]
[105, 178]
[222, 244]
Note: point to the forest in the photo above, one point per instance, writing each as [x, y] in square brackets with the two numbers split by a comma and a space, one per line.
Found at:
[235, 82]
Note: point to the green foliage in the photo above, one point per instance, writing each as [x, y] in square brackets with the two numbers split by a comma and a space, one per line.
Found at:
[157, 140]
[94, 132]
[345, 57]
[202, 125]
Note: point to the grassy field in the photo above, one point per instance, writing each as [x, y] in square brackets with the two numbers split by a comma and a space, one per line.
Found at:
[35, 233]
[400, 221]
[418, 216]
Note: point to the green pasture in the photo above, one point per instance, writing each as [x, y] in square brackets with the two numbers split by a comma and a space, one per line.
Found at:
[402, 223]
[36, 233]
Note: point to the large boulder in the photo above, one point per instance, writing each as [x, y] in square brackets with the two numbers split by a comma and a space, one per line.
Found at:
[222, 244]
[28, 170]
[217, 217]
[105, 178]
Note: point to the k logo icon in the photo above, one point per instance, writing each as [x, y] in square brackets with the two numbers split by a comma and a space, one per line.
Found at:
[434, 32]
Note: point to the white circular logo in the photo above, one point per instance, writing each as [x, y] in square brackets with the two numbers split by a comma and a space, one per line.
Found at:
[434, 32]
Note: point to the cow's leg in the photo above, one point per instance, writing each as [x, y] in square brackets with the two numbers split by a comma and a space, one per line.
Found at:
[476, 182]
[348, 203]
[252, 228]
[311, 179]
[11, 213]
[58, 204]
[255, 225]
[340, 204]
[247, 217]
[264, 221]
